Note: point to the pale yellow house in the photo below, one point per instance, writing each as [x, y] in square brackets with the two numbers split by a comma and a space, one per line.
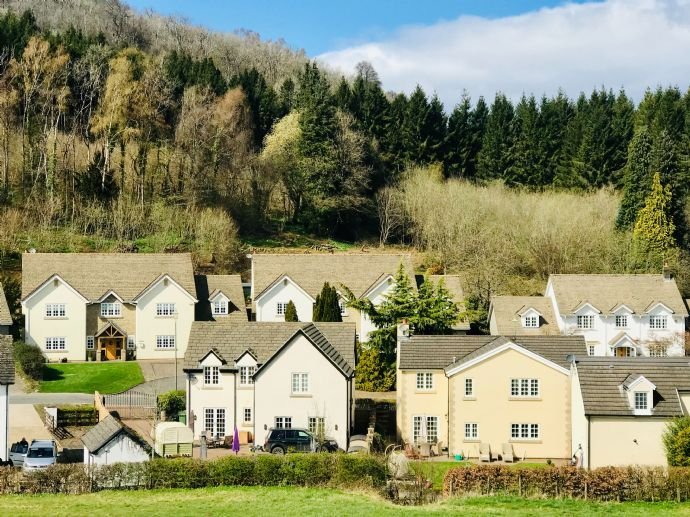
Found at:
[464, 391]
[621, 406]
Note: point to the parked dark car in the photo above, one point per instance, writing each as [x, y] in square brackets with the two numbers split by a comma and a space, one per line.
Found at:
[280, 441]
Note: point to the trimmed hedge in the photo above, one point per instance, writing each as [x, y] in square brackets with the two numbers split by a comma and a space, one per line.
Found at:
[602, 484]
[30, 359]
[336, 470]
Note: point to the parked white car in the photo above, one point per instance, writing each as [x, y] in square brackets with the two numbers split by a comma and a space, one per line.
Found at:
[18, 452]
[41, 454]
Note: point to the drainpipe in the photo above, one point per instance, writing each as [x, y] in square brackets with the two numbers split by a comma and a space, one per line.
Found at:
[589, 443]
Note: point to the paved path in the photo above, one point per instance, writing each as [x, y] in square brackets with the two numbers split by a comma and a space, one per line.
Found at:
[159, 386]
[50, 399]
[25, 423]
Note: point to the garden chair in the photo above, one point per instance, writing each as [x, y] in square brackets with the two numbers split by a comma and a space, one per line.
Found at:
[425, 450]
[485, 452]
[507, 453]
[411, 452]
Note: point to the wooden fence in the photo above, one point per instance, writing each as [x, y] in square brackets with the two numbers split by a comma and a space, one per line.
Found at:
[135, 405]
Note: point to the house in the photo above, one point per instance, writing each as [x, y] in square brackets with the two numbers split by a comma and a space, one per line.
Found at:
[277, 279]
[5, 314]
[221, 297]
[110, 441]
[621, 315]
[108, 306]
[6, 378]
[621, 406]
[272, 374]
[463, 391]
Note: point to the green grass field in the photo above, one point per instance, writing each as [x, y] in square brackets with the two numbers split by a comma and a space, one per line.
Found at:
[289, 501]
[89, 377]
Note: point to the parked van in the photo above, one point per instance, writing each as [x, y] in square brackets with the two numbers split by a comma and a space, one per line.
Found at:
[18, 452]
[41, 454]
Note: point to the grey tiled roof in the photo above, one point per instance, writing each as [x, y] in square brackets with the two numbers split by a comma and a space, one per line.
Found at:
[5, 314]
[263, 339]
[357, 271]
[94, 274]
[6, 360]
[438, 352]
[99, 435]
[231, 286]
[507, 312]
[606, 292]
[602, 379]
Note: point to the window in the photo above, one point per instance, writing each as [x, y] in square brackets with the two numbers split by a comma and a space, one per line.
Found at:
[658, 350]
[111, 309]
[131, 342]
[55, 343]
[591, 349]
[55, 310]
[425, 381]
[220, 307]
[247, 415]
[343, 308]
[622, 321]
[425, 428]
[283, 422]
[90, 343]
[585, 322]
[246, 373]
[524, 431]
[469, 387]
[214, 421]
[165, 342]
[471, 431]
[531, 321]
[317, 425]
[300, 383]
[524, 387]
[657, 322]
[165, 309]
[641, 400]
[280, 308]
[211, 375]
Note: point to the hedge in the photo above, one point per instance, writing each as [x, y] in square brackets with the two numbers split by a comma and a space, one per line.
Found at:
[335, 470]
[602, 484]
[30, 359]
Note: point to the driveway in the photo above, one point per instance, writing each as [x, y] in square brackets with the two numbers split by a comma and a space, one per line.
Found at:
[25, 423]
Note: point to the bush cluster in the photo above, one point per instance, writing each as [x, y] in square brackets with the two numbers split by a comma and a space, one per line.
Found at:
[602, 484]
[335, 470]
[30, 359]
[172, 403]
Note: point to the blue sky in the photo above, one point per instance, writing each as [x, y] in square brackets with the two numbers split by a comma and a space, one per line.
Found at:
[320, 26]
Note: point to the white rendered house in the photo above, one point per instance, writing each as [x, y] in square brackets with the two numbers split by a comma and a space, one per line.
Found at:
[6, 378]
[262, 375]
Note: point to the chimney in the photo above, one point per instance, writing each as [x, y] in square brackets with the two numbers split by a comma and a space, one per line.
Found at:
[668, 276]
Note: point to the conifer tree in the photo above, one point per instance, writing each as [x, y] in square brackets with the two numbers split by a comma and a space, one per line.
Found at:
[495, 158]
[527, 161]
[459, 139]
[654, 228]
[436, 311]
[327, 306]
[667, 162]
[291, 312]
[636, 180]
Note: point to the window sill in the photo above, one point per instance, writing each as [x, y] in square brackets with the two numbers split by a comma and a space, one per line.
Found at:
[165, 349]
[212, 387]
[55, 318]
[469, 398]
[246, 387]
[170, 317]
[426, 392]
[301, 395]
[55, 351]
[247, 424]
[525, 399]
[472, 440]
[103, 317]
[525, 440]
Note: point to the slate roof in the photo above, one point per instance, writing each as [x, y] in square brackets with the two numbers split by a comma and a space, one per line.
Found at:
[94, 274]
[230, 340]
[207, 286]
[601, 380]
[99, 435]
[437, 352]
[5, 314]
[606, 292]
[357, 271]
[6, 360]
[507, 311]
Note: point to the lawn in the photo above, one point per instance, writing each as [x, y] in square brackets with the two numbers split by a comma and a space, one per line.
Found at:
[291, 501]
[111, 377]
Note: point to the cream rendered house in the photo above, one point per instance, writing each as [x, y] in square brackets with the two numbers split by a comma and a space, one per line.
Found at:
[263, 375]
[6, 378]
[115, 306]
[469, 390]
[277, 279]
[621, 406]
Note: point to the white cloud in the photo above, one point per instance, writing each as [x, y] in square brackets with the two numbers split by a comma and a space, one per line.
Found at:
[576, 47]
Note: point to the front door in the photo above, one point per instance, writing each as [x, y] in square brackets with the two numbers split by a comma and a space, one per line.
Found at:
[624, 351]
[112, 348]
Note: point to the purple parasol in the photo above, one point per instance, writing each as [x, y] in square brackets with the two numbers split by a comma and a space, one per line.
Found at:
[236, 441]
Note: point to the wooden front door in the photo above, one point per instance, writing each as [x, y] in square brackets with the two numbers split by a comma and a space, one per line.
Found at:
[112, 348]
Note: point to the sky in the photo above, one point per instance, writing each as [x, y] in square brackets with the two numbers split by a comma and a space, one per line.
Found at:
[451, 46]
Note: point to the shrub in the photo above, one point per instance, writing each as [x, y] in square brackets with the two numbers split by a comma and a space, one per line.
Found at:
[172, 403]
[30, 359]
[676, 440]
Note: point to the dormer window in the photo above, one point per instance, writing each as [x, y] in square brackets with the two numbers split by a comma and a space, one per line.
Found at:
[640, 394]
[220, 307]
[530, 322]
[111, 310]
[658, 322]
[585, 322]
[641, 401]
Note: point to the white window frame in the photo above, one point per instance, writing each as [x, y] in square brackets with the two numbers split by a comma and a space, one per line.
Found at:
[471, 431]
[343, 307]
[246, 375]
[211, 375]
[55, 344]
[213, 419]
[525, 432]
[131, 342]
[530, 322]
[585, 321]
[658, 322]
[90, 343]
[641, 400]
[525, 388]
[111, 310]
[317, 425]
[165, 310]
[282, 422]
[591, 349]
[220, 307]
[56, 310]
[432, 432]
[299, 383]
[658, 351]
[621, 321]
[425, 381]
[469, 387]
[247, 417]
[281, 307]
[165, 342]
